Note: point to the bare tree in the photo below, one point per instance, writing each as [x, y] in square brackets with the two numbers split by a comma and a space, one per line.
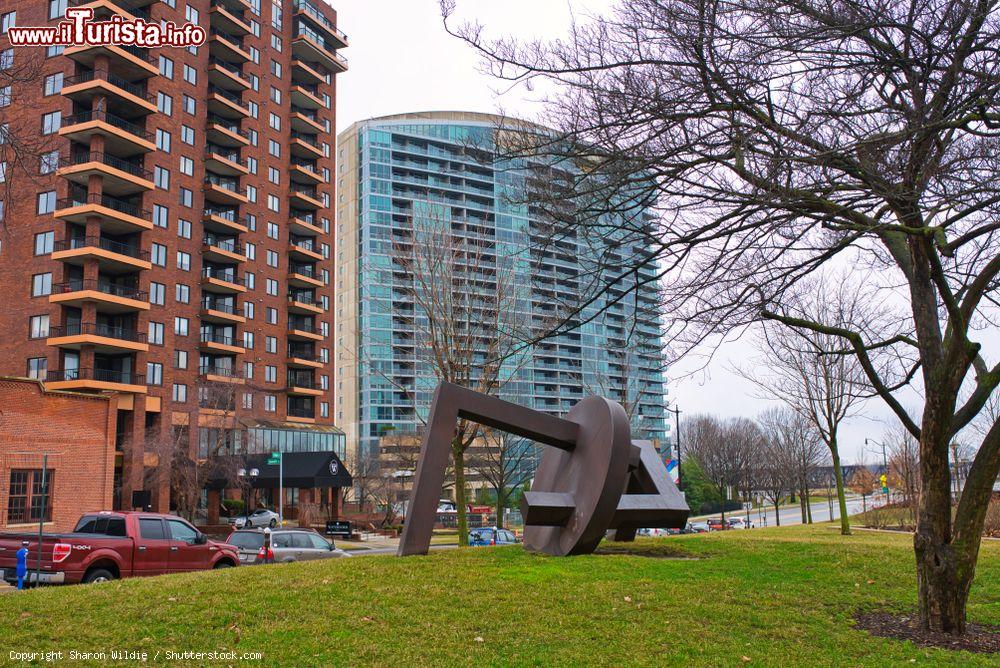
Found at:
[22, 146]
[809, 372]
[469, 319]
[725, 451]
[505, 463]
[904, 465]
[781, 461]
[796, 436]
[863, 482]
[773, 137]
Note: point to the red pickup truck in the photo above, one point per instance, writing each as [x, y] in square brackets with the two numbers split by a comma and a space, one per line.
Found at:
[108, 545]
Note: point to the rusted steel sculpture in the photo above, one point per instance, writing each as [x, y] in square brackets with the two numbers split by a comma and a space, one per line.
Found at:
[593, 478]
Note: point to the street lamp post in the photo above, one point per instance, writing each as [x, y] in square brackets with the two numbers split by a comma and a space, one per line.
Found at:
[677, 439]
[885, 468]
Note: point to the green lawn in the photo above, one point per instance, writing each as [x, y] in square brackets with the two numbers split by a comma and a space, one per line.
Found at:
[764, 597]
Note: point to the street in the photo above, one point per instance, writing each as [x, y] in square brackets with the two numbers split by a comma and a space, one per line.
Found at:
[790, 515]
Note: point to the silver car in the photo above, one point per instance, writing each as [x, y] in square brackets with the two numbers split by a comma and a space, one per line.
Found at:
[262, 517]
[286, 545]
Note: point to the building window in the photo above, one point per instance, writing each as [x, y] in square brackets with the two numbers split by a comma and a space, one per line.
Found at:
[183, 293]
[57, 8]
[187, 197]
[38, 367]
[43, 243]
[38, 326]
[158, 255]
[163, 140]
[154, 373]
[270, 373]
[272, 258]
[189, 104]
[270, 403]
[165, 103]
[248, 340]
[28, 495]
[180, 393]
[187, 166]
[187, 135]
[156, 333]
[49, 162]
[248, 370]
[157, 293]
[190, 75]
[180, 359]
[166, 67]
[271, 344]
[54, 83]
[46, 202]
[41, 285]
[51, 122]
[8, 20]
[160, 214]
[183, 228]
[324, 409]
[183, 261]
[249, 309]
[5, 96]
[181, 326]
[247, 400]
[161, 177]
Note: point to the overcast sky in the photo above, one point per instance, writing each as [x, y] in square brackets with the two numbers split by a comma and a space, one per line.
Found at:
[402, 60]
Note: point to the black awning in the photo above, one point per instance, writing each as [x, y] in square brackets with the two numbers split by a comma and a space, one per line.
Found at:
[301, 469]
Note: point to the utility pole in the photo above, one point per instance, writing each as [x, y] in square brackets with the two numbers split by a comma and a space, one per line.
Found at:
[677, 439]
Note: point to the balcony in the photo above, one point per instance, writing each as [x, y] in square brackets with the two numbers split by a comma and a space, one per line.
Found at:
[224, 46]
[225, 104]
[220, 374]
[310, 46]
[303, 331]
[305, 304]
[121, 177]
[112, 256]
[305, 121]
[226, 75]
[110, 297]
[222, 190]
[222, 250]
[104, 338]
[304, 249]
[218, 219]
[228, 18]
[220, 312]
[223, 281]
[301, 414]
[304, 197]
[117, 216]
[303, 386]
[221, 343]
[306, 97]
[308, 11]
[105, 9]
[303, 72]
[224, 132]
[130, 62]
[305, 173]
[305, 146]
[122, 96]
[303, 357]
[304, 223]
[224, 161]
[121, 137]
[304, 276]
[96, 379]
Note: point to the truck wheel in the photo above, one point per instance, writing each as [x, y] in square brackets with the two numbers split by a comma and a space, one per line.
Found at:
[98, 575]
[273, 523]
[222, 564]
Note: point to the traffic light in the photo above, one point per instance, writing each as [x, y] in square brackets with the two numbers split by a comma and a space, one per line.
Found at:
[885, 483]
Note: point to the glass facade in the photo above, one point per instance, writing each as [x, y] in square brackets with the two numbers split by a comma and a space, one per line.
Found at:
[255, 440]
[412, 174]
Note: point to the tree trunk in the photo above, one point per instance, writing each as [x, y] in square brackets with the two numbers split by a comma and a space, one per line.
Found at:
[845, 522]
[777, 516]
[458, 455]
[864, 503]
[802, 505]
[500, 507]
[809, 506]
[941, 592]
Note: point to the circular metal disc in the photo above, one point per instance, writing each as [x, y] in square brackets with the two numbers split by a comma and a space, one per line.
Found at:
[595, 472]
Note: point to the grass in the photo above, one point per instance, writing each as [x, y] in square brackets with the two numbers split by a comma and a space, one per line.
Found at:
[764, 597]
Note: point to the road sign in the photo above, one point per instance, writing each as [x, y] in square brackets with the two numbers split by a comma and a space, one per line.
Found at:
[274, 459]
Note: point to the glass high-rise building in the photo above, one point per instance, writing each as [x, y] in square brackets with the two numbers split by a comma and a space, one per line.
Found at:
[440, 169]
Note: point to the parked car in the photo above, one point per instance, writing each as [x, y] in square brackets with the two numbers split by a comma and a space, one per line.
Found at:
[286, 545]
[739, 523]
[108, 545]
[698, 527]
[652, 533]
[262, 517]
[716, 524]
[491, 536]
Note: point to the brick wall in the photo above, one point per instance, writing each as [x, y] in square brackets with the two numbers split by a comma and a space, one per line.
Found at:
[77, 432]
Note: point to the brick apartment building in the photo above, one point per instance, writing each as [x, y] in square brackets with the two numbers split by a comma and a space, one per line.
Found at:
[77, 433]
[170, 242]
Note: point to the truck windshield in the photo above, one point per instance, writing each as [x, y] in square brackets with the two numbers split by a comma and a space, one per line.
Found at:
[100, 524]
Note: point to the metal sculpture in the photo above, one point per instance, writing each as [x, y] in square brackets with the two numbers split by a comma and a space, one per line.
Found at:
[592, 478]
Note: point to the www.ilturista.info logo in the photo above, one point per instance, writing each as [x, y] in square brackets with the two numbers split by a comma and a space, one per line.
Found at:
[80, 30]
